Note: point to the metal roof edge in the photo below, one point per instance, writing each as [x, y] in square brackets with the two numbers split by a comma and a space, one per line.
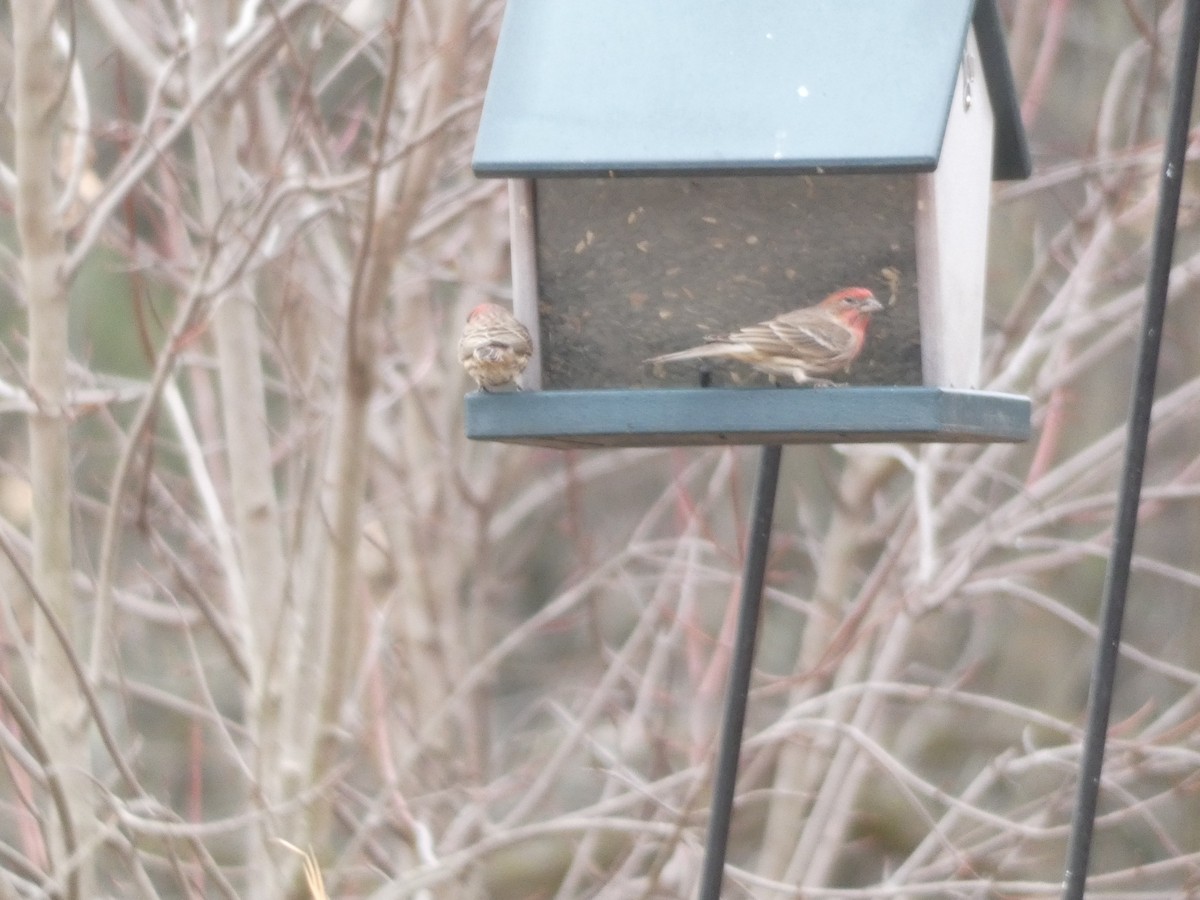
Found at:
[613, 169]
[1011, 159]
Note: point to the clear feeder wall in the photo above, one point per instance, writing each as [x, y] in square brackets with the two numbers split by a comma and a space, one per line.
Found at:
[631, 268]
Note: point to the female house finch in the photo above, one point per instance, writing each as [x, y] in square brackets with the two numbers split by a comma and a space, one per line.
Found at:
[495, 347]
[816, 340]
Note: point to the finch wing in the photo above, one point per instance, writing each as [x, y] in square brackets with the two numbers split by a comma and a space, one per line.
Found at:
[514, 335]
[762, 338]
[814, 338]
[500, 335]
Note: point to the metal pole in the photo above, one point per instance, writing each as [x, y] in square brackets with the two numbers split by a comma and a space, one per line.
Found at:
[1117, 581]
[736, 695]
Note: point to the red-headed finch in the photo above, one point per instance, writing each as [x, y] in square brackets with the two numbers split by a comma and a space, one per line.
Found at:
[495, 347]
[816, 340]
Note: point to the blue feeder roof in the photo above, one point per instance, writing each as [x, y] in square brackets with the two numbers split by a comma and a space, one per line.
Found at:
[589, 87]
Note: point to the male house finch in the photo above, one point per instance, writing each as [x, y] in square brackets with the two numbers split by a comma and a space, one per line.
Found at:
[816, 340]
[494, 347]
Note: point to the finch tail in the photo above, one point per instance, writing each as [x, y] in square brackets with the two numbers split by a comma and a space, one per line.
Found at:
[704, 351]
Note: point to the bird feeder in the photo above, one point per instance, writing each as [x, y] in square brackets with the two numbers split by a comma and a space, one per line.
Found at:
[678, 169]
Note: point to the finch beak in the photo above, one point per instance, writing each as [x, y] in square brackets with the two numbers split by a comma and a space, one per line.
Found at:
[871, 305]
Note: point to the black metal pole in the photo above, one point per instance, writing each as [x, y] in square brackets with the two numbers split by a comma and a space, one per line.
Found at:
[753, 575]
[1116, 583]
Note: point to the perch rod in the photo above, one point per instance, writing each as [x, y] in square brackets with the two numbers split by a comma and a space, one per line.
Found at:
[725, 778]
[1116, 584]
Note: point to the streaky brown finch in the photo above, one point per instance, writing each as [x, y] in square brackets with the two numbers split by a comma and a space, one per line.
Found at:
[494, 347]
[802, 344]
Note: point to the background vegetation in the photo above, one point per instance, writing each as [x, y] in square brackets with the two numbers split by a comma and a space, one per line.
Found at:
[258, 587]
